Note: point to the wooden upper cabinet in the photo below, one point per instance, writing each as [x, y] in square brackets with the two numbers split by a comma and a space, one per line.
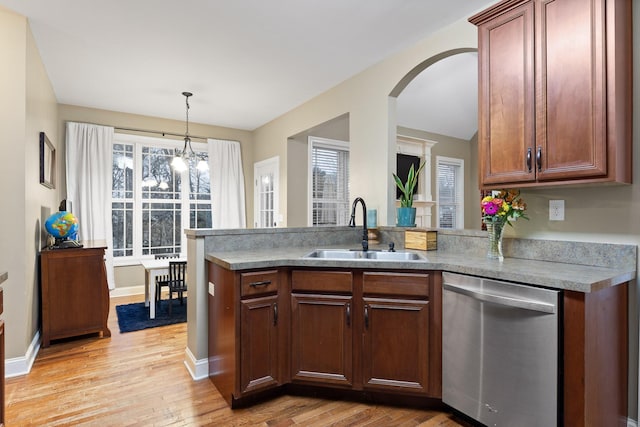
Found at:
[554, 92]
[507, 96]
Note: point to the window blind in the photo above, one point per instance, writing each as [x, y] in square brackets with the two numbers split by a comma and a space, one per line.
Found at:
[330, 185]
[448, 194]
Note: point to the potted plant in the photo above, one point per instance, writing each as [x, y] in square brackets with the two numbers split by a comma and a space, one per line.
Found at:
[406, 211]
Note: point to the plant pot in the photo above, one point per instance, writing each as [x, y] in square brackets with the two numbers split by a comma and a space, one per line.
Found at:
[406, 217]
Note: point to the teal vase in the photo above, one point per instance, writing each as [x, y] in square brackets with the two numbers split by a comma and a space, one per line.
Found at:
[406, 217]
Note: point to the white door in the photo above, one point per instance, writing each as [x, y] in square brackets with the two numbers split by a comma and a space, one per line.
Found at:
[265, 192]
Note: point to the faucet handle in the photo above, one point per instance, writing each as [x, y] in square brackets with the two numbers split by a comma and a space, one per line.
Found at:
[392, 247]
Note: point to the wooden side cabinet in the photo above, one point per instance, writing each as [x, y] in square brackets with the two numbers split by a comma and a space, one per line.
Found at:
[75, 293]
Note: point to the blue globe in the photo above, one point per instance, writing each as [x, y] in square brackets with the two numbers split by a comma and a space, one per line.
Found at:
[62, 225]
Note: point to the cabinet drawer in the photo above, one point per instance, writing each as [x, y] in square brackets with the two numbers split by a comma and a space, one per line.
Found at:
[322, 281]
[396, 284]
[259, 282]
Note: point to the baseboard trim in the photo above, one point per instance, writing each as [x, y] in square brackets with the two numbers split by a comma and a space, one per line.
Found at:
[128, 291]
[199, 369]
[18, 366]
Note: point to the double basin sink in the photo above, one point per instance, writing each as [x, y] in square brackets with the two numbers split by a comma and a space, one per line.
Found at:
[346, 254]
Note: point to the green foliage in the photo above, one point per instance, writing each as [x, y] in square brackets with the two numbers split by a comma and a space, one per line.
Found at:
[406, 199]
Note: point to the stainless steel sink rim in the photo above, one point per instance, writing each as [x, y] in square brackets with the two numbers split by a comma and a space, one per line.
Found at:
[347, 254]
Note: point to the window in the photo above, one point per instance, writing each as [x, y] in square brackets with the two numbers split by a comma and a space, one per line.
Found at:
[151, 203]
[329, 181]
[450, 187]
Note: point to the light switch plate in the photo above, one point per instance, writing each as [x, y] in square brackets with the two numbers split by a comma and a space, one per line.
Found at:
[212, 289]
[556, 210]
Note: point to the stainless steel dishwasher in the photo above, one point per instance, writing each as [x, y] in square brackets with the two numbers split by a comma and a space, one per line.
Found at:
[500, 351]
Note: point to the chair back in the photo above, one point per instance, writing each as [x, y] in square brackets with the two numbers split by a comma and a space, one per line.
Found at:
[177, 271]
[167, 256]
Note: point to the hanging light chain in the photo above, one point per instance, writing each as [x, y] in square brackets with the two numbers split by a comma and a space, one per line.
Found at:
[187, 95]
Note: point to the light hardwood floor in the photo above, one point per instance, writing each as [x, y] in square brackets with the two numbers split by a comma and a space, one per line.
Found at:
[139, 379]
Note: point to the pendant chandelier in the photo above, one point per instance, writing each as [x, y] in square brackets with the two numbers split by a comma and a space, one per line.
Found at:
[182, 157]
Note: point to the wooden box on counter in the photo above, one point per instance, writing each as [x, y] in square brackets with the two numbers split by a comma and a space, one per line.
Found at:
[75, 293]
[421, 239]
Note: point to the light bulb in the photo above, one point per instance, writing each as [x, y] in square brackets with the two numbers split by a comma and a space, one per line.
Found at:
[203, 165]
[149, 182]
[179, 164]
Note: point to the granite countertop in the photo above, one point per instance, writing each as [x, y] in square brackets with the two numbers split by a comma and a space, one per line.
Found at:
[566, 276]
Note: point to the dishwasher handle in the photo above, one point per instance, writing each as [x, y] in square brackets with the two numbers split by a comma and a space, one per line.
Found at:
[527, 304]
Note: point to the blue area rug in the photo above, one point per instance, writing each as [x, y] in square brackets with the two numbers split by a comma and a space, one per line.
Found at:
[134, 317]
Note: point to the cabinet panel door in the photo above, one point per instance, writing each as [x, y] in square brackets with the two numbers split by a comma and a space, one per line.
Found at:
[75, 294]
[259, 344]
[321, 336]
[506, 136]
[396, 345]
[571, 80]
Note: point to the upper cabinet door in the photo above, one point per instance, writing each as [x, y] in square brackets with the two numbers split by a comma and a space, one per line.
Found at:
[555, 92]
[571, 81]
[507, 97]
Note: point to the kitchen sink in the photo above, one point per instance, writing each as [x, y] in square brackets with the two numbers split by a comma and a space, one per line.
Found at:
[336, 254]
[395, 256]
[364, 255]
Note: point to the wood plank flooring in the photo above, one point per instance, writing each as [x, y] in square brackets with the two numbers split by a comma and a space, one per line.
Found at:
[139, 379]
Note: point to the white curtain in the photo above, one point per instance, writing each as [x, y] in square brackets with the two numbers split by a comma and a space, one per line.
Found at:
[227, 184]
[89, 175]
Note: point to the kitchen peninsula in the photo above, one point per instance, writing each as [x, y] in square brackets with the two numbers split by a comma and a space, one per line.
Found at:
[253, 278]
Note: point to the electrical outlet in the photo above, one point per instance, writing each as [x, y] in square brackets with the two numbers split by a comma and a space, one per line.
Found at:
[556, 210]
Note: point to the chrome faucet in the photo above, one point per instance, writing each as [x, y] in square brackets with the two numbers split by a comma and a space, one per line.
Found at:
[352, 222]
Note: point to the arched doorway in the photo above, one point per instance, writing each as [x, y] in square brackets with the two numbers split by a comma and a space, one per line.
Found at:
[435, 107]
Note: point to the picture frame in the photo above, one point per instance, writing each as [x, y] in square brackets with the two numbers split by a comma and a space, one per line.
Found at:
[47, 162]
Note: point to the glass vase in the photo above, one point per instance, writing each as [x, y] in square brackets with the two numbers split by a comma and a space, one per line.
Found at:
[495, 231]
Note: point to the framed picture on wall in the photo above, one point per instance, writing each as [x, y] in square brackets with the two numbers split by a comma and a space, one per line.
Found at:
[47, 162]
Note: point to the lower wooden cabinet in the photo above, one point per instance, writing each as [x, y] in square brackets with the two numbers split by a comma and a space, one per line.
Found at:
[322, 339]
[247, 333]
[366, 331]
[259, 358]
[342, 329]
[395, 354]
[401, 340]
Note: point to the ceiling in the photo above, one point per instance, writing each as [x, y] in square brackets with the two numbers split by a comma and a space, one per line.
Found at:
[246, 61]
